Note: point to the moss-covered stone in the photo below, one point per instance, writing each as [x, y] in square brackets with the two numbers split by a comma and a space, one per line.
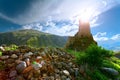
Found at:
[81, 40]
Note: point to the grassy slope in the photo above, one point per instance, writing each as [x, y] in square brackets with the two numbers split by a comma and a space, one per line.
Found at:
[21, 37]
[96, 73]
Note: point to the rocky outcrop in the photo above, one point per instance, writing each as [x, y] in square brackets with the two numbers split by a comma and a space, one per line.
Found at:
[82, 39]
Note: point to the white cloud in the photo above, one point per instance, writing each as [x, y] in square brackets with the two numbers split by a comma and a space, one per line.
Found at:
[112, 42]
[101, 36]
[116, 37]
[104, 2]
[62, 30]
[52, 27]
[60, 10]
[36, 26]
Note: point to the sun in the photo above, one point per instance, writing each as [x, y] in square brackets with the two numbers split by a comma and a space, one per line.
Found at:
[86, 15]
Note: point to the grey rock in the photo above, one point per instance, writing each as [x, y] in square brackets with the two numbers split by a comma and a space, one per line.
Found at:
[28, 54]
[76, 72]
[66, 72]
[68, 79]
[57, 76]
[63, 77]
[18, 61]
[46, 50]
[44, 75]
[27, 60]
[42, 63]
[20, 67]
[110, 71]
[57, 70]
[72, 71]
[4, 57]
[2, 48]
[52, 78]
[39, 57]
[43, 53]
[11, 64]
[13, 73]
[14, 56]
[63, 64]
[70, 64]
[10, 61]
[59, 65]
[18, 53]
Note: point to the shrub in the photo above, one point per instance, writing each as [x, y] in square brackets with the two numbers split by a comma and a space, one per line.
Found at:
[96, 75]
[94, 56]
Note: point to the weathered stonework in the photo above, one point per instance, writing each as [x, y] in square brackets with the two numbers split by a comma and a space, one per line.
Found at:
[82, 39]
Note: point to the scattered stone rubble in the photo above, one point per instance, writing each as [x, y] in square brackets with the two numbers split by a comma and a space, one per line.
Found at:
[42, 64]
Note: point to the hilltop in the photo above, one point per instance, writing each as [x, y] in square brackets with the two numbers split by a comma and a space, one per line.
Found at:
[32, 38]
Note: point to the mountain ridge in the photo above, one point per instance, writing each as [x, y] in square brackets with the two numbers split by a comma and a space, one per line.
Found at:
[32, 38]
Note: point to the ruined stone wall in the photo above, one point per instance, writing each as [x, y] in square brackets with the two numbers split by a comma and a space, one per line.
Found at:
[82, 39]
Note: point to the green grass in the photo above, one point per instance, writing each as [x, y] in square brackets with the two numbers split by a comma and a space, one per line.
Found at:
[11, 47]
[0, 53]
[112, 63]
[32, 38]
[96, 57]
[96, 75]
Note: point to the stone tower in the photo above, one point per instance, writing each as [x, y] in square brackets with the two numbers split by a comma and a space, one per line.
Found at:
[82, 39]
[84, 29]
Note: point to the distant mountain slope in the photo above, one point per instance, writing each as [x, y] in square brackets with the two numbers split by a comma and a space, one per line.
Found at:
[32, 38]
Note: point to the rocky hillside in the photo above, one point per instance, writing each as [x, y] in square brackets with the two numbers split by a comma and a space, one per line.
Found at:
[25, 63]
[32, 38]
[42, 64]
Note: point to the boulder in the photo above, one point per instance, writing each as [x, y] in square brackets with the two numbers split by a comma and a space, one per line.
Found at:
[110, 71]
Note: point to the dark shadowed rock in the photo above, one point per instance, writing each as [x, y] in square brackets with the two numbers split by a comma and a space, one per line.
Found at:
[20, 67]
[13, 73]
[110, 71]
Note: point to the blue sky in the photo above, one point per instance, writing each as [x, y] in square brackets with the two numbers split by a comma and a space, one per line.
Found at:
[61, 17]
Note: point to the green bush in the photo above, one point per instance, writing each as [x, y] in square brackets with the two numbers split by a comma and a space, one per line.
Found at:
[96, 75]
[81, 58]
[111, 64]
[94, 56]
